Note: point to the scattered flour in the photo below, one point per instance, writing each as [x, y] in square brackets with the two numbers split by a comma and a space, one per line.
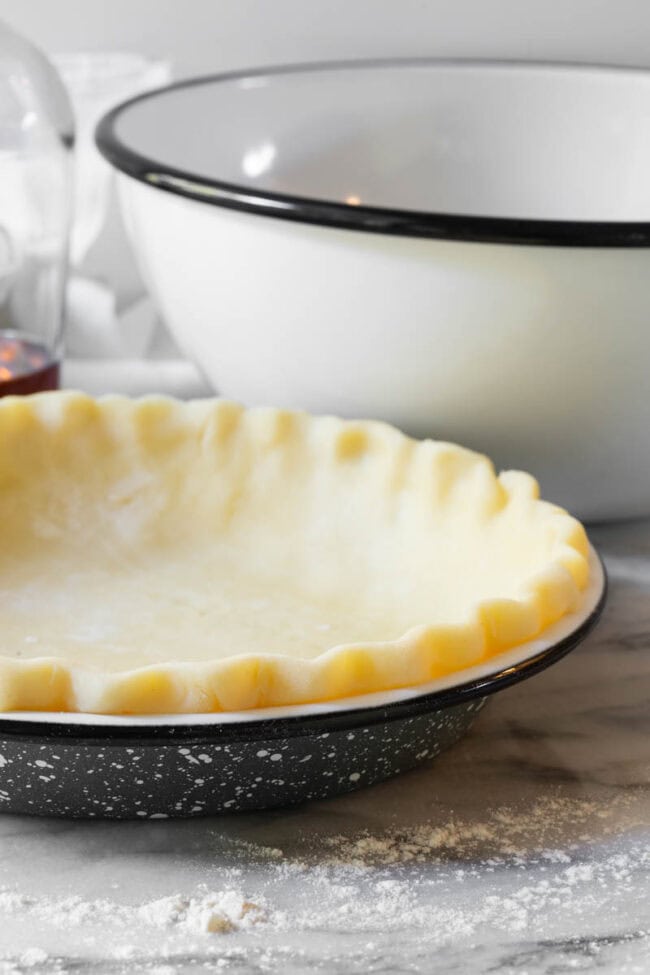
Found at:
[208, 912]
[211, 913]
[504, 833]
[440, 882]
[33, 957]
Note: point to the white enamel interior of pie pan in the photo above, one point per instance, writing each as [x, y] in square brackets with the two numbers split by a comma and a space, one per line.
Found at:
[493, 668]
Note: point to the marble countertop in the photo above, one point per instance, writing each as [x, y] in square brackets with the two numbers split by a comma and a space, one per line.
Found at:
[524, 850]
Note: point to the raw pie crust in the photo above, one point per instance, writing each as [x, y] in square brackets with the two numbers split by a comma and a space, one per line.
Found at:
[166, 557]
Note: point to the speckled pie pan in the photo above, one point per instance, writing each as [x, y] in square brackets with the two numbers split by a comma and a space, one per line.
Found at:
[84, 765]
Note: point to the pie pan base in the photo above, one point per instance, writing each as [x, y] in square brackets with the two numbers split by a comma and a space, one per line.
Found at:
[92, 766]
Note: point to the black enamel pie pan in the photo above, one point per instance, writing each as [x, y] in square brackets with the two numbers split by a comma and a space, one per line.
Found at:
[93, 766]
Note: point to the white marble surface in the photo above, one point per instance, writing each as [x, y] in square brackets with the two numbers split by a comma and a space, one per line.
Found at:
[522, 851]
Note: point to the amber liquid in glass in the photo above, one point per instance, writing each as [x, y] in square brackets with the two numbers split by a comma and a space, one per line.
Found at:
[26, 367]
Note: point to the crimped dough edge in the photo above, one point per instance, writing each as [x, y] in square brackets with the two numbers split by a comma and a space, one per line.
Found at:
[257, 680]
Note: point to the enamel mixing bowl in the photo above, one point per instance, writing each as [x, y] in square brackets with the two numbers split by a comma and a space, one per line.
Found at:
[461, 248]
[95, 766]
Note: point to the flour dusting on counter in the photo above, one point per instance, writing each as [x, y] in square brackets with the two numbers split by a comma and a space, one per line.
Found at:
[205, 912]
[505, 832]
[373, 884]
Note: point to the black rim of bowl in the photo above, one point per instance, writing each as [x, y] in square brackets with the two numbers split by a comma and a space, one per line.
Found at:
[301, 725]
[370, 219]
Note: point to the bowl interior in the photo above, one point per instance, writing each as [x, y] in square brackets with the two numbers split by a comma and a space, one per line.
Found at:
[484, 139]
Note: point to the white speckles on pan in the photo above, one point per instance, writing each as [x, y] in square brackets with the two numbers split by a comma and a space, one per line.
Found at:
[157, 779]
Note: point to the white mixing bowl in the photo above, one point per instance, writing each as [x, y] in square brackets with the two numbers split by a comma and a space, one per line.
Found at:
[461, 248]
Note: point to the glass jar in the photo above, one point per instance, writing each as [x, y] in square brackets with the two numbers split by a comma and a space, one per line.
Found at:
[36, 141]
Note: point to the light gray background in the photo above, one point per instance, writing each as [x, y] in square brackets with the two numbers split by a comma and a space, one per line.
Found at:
[205, 35]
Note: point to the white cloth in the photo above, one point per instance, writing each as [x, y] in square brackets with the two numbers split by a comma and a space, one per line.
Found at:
[131, 352]
[112, 345]
[135, 377]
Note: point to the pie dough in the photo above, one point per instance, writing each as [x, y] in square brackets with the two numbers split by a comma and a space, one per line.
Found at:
[167, 557]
